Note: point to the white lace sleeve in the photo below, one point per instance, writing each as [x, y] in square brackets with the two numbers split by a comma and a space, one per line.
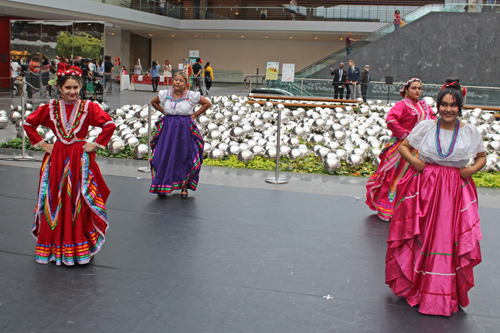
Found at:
[477, 140]
[194, 97]
[162, 94]
[419, 132]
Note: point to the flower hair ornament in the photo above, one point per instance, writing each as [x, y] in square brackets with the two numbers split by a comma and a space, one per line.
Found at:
[402, 91]
[73, 70]
[452, 84]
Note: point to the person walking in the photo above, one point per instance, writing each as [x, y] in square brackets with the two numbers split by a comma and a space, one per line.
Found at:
[434, 235]
[177, 147]
[354, 75]
[397, 20]
[381, 188]
[339, 81]
[70, 216]
[348, 43]
[197, 73]
[208, 74]
[154, 72]
[365, 81]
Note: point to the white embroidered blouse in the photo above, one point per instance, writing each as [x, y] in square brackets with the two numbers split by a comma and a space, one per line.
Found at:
[469, 144]
[178, 107]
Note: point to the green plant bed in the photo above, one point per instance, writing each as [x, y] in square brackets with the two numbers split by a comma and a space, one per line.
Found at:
[308, 164]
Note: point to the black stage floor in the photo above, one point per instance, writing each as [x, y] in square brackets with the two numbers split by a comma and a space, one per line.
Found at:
[227, 259]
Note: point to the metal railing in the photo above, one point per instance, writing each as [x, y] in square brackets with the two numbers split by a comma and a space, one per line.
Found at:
[368, 13]
[478, 95]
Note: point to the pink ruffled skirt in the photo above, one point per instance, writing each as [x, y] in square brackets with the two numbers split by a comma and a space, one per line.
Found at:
[433, 242]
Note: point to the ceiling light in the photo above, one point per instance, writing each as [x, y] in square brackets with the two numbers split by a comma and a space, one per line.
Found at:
[173, 35]
[291, 37]
[196, 35]
[315, 37]
[218, 35]
[151, 35]
[341, 38]
[266, 36]
[242, 36]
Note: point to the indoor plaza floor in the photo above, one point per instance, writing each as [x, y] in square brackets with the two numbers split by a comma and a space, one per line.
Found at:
[238, 255]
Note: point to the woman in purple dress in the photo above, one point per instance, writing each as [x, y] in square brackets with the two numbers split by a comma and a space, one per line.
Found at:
[177, 147]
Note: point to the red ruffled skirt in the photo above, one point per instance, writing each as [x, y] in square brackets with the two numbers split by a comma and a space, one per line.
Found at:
[381, 188]
[433, 242]
[70, 216]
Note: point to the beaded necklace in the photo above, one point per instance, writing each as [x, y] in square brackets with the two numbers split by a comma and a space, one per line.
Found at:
[60, 114]
[180, 99]
[453, 140]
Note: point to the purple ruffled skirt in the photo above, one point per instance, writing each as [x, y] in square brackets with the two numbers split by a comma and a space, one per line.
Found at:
[176, 154]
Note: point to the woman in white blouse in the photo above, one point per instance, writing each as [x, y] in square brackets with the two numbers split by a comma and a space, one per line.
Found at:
[434, 235]
[177, 147]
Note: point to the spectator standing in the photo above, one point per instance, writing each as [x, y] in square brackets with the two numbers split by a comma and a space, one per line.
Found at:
[33, 76]
[162, 7]
[339, 81]
[348, 43]
[293, 9]
[197, 71]
[155, 74]
[365, 81]
[108, 68]
[92, 67]
[14, 70]
[208, 74]
[354, 74]
[263, 14]
[167, 72]
[397, 20]
[63, 64]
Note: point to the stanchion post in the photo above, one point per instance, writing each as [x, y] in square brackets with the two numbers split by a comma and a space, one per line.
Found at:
[302, 87]
[277, 179]
[147, 168]
[23, 156]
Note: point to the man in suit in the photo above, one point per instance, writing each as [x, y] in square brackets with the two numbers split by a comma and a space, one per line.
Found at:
[353, 75]
[365, 81]
[339, 81]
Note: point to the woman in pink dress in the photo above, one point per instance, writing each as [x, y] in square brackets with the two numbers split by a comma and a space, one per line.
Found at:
[434, 235]
[381, 187]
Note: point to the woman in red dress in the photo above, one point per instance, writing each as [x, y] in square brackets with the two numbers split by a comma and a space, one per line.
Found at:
[70, 216]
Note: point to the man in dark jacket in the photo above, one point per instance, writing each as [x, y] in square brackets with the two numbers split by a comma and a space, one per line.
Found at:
[365, 81]
[353, 75]
[339, 81]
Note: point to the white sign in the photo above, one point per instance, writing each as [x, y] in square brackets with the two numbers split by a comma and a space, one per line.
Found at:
[288, 73]
[162, 79]
[139, 78]
[194, 53]
[181, 67]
